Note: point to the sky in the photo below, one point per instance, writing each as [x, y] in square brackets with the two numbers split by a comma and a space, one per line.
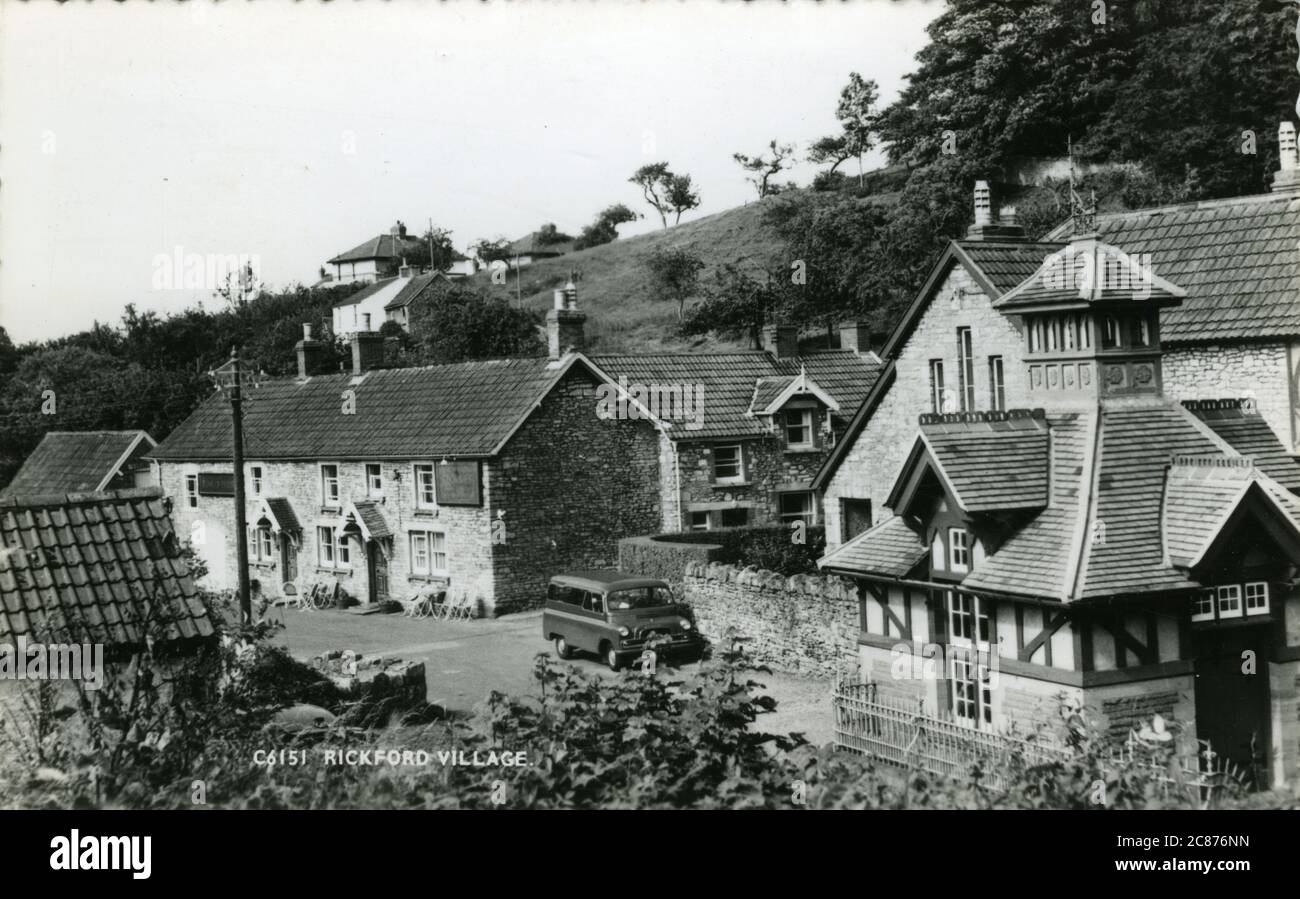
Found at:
[288, 133]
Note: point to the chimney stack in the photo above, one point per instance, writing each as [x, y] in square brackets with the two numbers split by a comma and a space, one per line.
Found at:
[312, 358]
[398, 230]
[858, 337]
[367, 351]
[564, 323]
[990, 223]
[781, 340]
[1287, 177]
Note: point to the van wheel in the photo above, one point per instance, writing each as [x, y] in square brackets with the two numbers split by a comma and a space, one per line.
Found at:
[611, 657]
[563, 649]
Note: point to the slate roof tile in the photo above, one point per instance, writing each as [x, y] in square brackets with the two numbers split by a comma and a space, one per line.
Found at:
[72, 461]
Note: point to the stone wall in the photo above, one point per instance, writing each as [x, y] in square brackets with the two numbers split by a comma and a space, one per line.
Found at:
[571, 485]
[805, 624]
[1256, 370]
[871, 466]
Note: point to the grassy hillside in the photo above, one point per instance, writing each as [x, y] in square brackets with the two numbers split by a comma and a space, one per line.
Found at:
[622, 312]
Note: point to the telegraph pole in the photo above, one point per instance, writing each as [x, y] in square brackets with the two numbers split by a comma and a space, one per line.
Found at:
[231, 374]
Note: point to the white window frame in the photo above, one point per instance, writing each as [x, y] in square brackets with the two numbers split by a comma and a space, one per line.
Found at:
[371, 489]
[937, 386]
[422, 544]
[997, 384]
[739, 476]
[325, 483]
[1231, 593]
[966, 368]
[805, 417]
[1260, 588]
[192, 491]
[419, 469]
[965, 690]
[257, 551]
[959, 549]
[692, 526]
[256, 479]
[332, 542]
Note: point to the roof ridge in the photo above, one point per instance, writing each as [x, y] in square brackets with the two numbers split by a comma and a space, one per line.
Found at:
[79, 498]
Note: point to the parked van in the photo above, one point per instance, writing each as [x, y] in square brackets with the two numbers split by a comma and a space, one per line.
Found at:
[614, 615]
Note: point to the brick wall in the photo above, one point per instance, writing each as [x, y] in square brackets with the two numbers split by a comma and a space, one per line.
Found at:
[804, 624]
[571, 485]
[869, 470]
[1226, 372]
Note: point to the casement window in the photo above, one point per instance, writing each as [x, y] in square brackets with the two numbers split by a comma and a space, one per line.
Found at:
[733, 518]
[699, 521]
[1203, 606]
[799, 429]
[1256, 598]
[255, 474]
[428, 552]
[426, 496]
[966, 369]
[936, 386]
[261, 545]
[970, 689]
[374, 479]
[728, 464]
[329, 486]
[192, 490]
[997, 386]
[958, 550]
[1229, 601]
[332, 550]
[797, 507]
[1110, 338]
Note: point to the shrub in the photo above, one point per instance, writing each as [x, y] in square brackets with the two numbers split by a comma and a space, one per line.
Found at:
[771, 547]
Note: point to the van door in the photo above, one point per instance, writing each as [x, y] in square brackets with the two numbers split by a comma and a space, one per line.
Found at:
[595, 630]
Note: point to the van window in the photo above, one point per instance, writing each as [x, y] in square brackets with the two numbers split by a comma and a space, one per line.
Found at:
[593, 602]
[565, 594]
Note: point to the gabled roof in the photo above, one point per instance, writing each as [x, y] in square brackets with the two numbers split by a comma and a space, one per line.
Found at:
[386, 286]
[997, 266]
[771, 394]
[890, 548]
[1202, 494]
[368, 519]
[385, 246]
[1240, 425]
[468, 409]
[730, 381]
[75, 461]
[988, 461]
[277, 512]
[1236, 258]
[95, 568]
[414, 287]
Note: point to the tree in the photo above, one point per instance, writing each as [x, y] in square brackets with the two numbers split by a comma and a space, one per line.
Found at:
[675, 275]
[738, 304]
[765, 166]
[664, 190]
[435, 251]
[460, 324]
[605, 228]
[492, 250]
[681, 197]
[8, 354]
[857, 115]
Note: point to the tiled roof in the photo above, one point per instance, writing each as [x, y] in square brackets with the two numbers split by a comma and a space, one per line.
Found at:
[729, 381]
[1249, 434]
[1236, 258]
[93, 568]
[1089, 271]
[1006, 265]
[1199, 494]
[372, 521]
[465, 409]
[385, 246]
[283, 518]
[992, 461]
[528, 245]
[413, 288]
[889, 548]
[370, 290]
[74, 462]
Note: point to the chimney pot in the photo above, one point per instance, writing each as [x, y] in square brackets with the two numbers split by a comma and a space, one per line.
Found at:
[564, 328]
[560, 300]
[1287, 177]
[306, 331]
[983, 204]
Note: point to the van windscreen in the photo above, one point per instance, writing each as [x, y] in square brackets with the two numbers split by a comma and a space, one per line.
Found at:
[640, 598]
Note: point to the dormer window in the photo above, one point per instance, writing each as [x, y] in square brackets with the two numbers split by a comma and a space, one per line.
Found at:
[799, 429]
[958, 550]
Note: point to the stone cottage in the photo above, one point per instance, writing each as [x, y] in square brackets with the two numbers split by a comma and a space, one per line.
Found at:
[481, 478]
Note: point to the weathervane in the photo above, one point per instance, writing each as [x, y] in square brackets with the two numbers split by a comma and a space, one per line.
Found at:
[1083, 216]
